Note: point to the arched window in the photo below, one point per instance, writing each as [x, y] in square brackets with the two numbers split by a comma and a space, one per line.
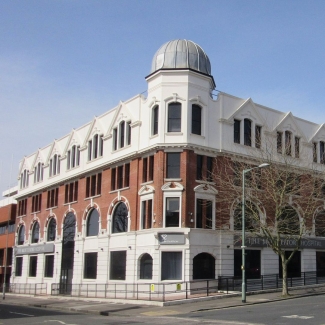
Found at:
[252, 217]
[69, 228]
[155, 116]
[320, 224]
[93, 223]
[247, 132]
[95, 147]
[73, 157]
[203, 266]
[35, 233]
[196, 119]
[146, 267]
[51, 230]
[38, 172]
[120, 219]
[288, 222]
[174, 117]
[54, 165]
[24, 178]
[21, 235]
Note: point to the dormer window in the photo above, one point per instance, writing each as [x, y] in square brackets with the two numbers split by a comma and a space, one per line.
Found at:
[297, 147]
[174, 117]
[322, 152]
[54, 165]
[38, 172]
[247, 132]
[24, 179]
[287, 139]
[236, 131]
[95, 147]
[73, 157]
[122, 135]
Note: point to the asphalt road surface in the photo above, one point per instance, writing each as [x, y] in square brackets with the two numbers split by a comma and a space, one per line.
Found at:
[305, 311]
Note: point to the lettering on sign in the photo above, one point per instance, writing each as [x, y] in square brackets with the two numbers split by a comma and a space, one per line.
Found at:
[171, 238]
[313, 243]
[35, 249]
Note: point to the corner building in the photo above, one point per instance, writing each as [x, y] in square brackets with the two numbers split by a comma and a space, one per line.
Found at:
[130, 196]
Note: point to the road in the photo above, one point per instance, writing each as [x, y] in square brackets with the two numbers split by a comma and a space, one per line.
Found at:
[305, 311]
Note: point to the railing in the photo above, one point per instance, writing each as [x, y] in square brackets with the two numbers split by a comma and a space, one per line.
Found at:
[26, 288]
[140, 291]
[272, 281]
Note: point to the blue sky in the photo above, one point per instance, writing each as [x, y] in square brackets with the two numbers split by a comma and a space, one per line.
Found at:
[64, 61]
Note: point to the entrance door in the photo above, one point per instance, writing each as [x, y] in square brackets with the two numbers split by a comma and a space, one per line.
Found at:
[69, 229]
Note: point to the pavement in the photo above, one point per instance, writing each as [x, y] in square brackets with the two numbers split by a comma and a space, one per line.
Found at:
[141, 308]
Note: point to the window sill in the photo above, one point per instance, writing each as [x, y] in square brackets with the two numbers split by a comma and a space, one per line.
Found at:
[92, 197]
[119, 149]
[90, 161]
[75, 167]
[23, 215]
[154, 136]
[64, 204]
[120, 189]
[200, 181]
[49, 208]
[198, 135]
[146, 183]
[172, 179]
[174, 133]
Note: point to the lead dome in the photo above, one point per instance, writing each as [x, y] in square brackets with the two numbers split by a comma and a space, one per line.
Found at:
[181, 54]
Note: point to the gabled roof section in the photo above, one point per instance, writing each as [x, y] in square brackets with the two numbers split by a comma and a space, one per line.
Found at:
[122, 113]
[288, 122]
[318, 134]
[55, 149]
[24, 165]
[95, 127]
[249, 110]
[37, 158]
[73, 139]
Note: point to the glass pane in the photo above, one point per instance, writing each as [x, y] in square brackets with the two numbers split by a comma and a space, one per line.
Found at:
[93, 223]
[171, 266]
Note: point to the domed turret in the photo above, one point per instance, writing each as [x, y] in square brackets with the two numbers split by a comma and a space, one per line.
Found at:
[181, 54]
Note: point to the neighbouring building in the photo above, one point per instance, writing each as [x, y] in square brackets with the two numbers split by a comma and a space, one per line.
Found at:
[7, 233]
[120, 198]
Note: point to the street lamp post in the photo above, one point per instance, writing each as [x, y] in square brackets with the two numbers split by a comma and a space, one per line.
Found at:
[243, 247]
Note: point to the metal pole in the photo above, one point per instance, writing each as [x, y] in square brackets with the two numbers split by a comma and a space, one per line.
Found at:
[243, 290]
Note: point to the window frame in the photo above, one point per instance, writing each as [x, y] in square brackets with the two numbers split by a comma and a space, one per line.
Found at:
[90, 267]
[172, 166]
[196, 127]
[49, 266]
[174, 117]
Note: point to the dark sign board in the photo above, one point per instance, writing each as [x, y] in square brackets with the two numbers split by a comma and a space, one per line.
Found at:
[34, 249]
[171, 238]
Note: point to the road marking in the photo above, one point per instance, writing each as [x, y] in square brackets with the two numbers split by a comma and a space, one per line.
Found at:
[297, 316]
[11, 312]
[160, 313]
[212, 321]
[59, 321]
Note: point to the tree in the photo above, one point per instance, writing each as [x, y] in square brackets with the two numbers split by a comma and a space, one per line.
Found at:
[283, 201]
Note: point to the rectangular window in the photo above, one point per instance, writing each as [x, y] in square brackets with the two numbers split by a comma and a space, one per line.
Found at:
[22, 207]
[247, 132]
[36, 203]
[93, 185]
[297, 147]
[118, 265]
[287, 143]
[71, 192]
[258, 136]
[196, 119]
[173, 165]
[120, 177]
[210, 169]
[171, 266]
[32, 266]
[2, 253]
[90, 266]
[128, 139]
[204, 215]
[315, 152]
[52, 198]
[174, 117]
[49, 266]
[155, 120]
[90, 149]
[237, 173]
[237, 131]
[279, 142]
[172, 212]
[147, 169]
[9, 255]
[322, 152]
[199, 167]
[146, 217]
[19, 266]
[115, 139]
